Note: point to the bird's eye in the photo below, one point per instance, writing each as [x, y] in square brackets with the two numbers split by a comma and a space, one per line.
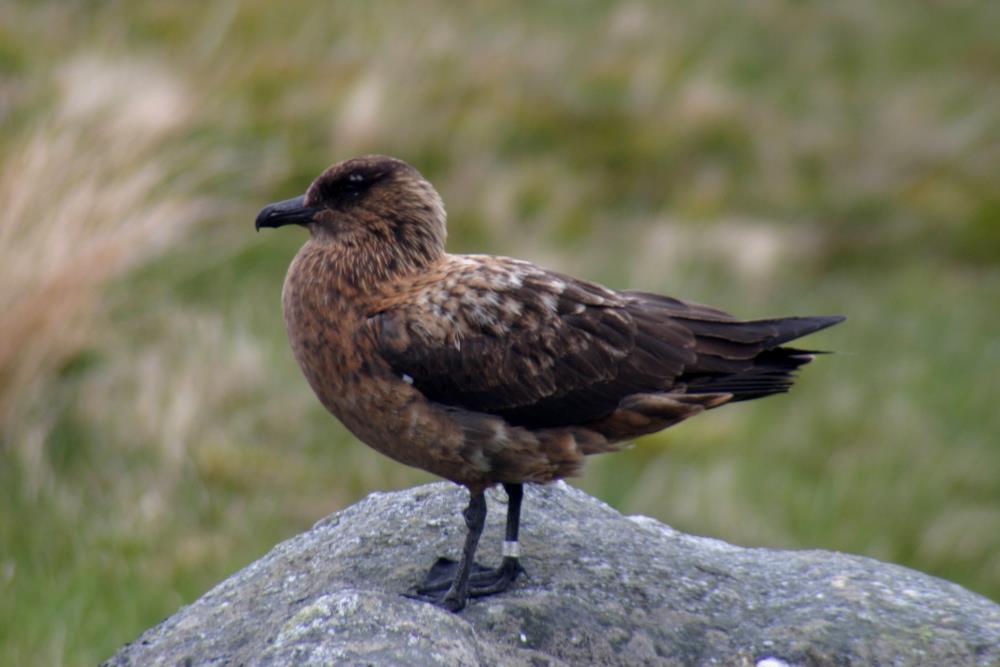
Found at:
[350, 186]
[355, 184]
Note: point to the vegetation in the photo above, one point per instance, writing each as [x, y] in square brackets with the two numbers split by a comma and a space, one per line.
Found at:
[766, 157]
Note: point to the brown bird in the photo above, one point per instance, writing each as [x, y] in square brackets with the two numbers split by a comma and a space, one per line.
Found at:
[487, 370]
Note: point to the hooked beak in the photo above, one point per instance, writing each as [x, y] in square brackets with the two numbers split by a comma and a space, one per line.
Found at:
[289, 212]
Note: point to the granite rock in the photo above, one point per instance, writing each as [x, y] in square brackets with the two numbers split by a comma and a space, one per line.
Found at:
[602, 589]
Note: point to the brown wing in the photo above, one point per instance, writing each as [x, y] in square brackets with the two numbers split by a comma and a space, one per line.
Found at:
[541, 349]
[537, 348]
[741, 358]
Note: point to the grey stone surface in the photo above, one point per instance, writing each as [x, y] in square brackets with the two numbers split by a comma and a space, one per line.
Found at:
[602, 589]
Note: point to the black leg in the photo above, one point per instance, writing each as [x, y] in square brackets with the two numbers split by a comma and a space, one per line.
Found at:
[447, 582]
[489, 582]
[515, 492]
[510, 566]
[475, 519]
[450, 584]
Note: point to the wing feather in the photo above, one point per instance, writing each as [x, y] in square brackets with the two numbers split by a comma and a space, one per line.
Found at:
[542, 349]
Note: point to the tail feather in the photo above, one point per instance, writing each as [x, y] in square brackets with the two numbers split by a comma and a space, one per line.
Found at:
[766, 333]
[746, 359]
[790, 328]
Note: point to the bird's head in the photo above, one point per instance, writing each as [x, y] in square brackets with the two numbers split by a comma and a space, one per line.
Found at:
[376, 207]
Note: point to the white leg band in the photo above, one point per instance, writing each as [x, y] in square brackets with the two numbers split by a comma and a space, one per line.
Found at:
[511, 549]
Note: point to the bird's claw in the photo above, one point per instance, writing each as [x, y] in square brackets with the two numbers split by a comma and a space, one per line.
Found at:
[437, 586]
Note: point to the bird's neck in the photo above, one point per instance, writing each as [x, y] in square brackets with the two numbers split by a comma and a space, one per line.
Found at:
[358, 267]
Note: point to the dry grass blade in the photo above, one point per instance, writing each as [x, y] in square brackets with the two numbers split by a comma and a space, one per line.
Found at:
[91, 192]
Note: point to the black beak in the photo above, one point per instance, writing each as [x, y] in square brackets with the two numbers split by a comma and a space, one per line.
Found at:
[288, 212]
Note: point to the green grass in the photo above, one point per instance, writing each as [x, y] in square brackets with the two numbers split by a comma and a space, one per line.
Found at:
[769, 158]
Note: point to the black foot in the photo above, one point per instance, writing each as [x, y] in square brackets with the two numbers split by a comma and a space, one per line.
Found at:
[482, 581]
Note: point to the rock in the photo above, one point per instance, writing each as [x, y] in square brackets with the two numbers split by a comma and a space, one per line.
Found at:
[601, 589]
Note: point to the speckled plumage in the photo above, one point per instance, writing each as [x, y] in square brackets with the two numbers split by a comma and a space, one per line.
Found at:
[488, 370]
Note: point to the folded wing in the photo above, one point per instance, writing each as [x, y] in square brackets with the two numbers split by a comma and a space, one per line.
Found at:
[541, 349]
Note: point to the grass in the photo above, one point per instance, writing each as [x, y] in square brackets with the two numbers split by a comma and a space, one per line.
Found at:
[767, 157]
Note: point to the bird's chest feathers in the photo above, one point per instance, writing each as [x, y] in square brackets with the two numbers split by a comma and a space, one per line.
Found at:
[321, 321]
[325, 320]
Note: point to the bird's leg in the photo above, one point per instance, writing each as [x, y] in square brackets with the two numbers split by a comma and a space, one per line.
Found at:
[475, 519]
[481, 580]
[498, 580]
[450, 577]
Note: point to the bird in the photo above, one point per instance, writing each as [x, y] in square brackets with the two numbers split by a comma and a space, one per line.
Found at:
[487, 370]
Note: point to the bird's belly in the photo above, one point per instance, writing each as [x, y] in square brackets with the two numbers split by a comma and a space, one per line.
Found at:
[360, 389]
[393, 418]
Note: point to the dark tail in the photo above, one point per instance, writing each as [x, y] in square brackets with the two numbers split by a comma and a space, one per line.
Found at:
[746, 359]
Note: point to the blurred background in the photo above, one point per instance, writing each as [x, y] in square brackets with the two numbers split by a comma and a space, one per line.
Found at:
[767, 157]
